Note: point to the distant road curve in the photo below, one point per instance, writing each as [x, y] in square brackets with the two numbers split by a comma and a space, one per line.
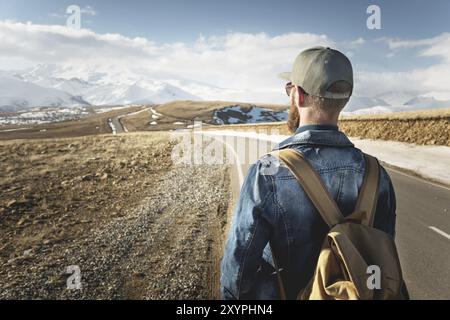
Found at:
[116, 125]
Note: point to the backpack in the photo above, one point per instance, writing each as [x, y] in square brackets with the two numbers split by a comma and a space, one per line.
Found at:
[356, 260]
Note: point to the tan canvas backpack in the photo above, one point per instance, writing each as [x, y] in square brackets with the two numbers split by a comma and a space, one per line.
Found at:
[353, 253]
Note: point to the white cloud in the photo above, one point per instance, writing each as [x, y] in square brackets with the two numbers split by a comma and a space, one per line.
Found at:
[357, 42]
[438, 46]
[59, 44]
[235, 60]
[247, 63]
[432, 78]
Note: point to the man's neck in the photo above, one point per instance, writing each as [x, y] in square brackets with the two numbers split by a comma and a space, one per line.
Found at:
[311, 122]
[309, 117]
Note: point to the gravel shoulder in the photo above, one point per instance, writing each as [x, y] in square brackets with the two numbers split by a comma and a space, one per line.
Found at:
[136, 225]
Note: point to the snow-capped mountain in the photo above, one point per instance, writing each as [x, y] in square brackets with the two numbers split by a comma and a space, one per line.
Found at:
[359, 102]
[140, 92]
[109, 85]
[426, 102]
[17, 94]
[396, 102]
[47, 85]
[397, 98]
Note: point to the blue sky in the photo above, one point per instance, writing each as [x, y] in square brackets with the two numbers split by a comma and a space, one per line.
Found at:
[184, 20]
[413, 43]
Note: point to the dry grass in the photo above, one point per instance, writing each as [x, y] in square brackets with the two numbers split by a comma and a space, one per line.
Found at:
[203, 110]
[138, 226]
[184, 112]
[419, 127]
[425, 127]
[142, 122]
[269, 127]
[410, 115]
[68, 181]
[92, 125]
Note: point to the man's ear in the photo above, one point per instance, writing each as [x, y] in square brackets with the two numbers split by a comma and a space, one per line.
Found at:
[300, 96]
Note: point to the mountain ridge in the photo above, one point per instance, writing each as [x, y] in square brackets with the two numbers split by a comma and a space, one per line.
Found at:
[66, 86]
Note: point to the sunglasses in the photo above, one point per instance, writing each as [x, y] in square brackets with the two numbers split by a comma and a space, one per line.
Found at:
[289, 87]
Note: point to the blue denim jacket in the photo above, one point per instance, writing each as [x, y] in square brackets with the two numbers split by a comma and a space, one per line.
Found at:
[273, 206]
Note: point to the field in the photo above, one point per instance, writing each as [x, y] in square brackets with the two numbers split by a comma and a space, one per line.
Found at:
[202, 110]
[95, 124]
[430, 127]
[181, 114]
[138, 226]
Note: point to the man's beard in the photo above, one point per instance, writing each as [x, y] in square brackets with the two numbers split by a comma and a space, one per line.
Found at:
[293, 118]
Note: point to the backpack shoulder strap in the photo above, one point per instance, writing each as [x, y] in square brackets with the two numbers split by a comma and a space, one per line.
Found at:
[368, 196]
[312, 184]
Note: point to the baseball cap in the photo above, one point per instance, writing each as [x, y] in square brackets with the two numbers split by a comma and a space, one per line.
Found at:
[316, 69]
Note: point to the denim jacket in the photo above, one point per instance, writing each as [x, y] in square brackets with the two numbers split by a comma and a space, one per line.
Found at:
[273, 207]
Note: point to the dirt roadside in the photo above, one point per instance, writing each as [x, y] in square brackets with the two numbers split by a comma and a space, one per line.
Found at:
[138, 226]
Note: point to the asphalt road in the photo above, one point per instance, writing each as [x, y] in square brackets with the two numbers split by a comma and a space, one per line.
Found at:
[423, 235]
[117, 125]
[423, 232]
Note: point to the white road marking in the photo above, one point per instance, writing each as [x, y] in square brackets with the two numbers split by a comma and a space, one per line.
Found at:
[264, 137]
[442, 233]
[238, 163]
[235, 156]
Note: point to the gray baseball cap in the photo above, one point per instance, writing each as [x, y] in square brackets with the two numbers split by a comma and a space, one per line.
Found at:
[316, 69]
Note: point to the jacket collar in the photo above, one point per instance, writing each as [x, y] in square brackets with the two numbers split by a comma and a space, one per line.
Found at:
[325, 135]
[308, 127]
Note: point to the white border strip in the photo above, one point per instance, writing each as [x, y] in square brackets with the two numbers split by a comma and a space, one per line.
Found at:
[442, 233]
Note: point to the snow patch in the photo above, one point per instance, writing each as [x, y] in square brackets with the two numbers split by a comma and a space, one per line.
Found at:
[107, 109]
[43, 115]
[12, 130]
[156, 114]
[254, 114]
[112, 126]
[428, 161]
